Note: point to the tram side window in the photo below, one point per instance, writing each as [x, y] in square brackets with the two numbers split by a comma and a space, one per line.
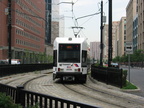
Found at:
[84, 58]
[55, 58]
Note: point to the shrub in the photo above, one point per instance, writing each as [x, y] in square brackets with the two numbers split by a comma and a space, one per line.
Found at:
[124, 77]
[7, 102]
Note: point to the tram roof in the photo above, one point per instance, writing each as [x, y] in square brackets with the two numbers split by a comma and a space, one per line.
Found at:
[69, 40]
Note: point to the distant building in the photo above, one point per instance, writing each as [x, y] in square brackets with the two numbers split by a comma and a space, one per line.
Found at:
[105, 40]
[55, 20]
[95, 50]
[52, 30]
[61, 26]
[116, 41]
[122, 37]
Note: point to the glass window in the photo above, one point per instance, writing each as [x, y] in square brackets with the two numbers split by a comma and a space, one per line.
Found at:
[55, 58]
[69, 53]
[84, 58]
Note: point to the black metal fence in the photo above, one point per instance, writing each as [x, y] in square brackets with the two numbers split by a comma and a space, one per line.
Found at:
[21, 68]
[28, 98]
[108, 75]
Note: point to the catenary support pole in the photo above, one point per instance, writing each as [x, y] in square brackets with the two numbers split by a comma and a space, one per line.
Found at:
[110, 34]
[9, 32]
[101, 28]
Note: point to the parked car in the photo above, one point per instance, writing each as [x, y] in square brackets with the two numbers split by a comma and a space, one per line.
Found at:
[3, 62]
[116, 65]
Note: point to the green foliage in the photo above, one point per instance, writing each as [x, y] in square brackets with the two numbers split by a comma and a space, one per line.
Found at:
[7, 102]
[129, 86]
[96, 64]
[116, 59]
[34, 106]
[124, 77]
[137, 56]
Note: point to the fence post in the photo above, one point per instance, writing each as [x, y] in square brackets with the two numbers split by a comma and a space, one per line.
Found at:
[107, 75]
[19, 95]
[121, 77]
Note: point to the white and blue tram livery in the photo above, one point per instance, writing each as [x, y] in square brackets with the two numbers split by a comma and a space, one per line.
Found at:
[70, 59]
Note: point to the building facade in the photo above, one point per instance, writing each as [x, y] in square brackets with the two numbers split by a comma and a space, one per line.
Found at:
[116, 41]
[140, 38]
[122, 36]
[130, 14]
[55, 20]
[95, 50]
[135, 33]
[27, 33]
[105, 40]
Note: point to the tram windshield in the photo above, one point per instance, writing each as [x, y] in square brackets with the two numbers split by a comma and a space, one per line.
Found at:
[69, 53]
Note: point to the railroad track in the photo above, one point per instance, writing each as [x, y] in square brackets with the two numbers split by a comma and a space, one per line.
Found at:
[87, 93]
[110, 99]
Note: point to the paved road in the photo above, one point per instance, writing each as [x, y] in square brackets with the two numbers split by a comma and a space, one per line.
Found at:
[137, 78]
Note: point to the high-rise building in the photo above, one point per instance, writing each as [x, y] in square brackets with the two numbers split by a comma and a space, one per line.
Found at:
[116, 41]
[140, 38]
[135, 32]
[105, 39]
[122, 37]
[23, 22]
[130, 15]
[105, 42]
[52, 18]
[52, 26]
[95, 50]
[48, 17]
[55, 20]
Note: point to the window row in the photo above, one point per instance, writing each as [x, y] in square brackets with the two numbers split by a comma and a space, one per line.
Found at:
[25, 43]
[27, 35]
[21, 23]
[27, 17]
[26, 8]
[33, 5]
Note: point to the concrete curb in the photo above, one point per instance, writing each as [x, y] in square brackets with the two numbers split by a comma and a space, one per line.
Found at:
[117, 91]
[113, 87]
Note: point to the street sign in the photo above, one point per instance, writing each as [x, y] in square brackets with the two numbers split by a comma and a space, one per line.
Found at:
[129, 47]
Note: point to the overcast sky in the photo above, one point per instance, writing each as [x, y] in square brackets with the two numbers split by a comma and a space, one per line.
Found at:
[91, 24]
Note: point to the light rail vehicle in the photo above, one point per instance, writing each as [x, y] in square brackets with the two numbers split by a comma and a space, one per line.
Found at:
[70, 59]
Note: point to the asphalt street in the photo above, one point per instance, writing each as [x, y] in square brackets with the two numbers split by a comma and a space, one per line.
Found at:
[137, 78]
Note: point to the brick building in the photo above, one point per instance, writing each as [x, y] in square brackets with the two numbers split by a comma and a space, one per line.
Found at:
[27, 29]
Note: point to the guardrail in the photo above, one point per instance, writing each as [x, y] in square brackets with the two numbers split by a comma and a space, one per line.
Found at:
[108, 75]
[21, 68]
[28, 98]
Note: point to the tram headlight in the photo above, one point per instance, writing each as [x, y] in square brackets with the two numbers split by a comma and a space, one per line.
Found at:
[60, 70]
[77, 70]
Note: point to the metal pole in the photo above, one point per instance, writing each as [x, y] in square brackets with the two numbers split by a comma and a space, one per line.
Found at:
[129, 65]
[9, 32]
[101, 45]
[49, 21]
[110, 34]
